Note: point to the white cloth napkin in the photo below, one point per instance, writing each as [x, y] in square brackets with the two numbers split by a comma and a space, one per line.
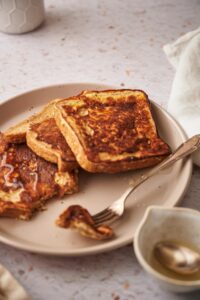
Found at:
[10, 289]
[184, 102]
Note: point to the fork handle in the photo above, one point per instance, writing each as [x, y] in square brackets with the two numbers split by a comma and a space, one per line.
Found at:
[182, 151]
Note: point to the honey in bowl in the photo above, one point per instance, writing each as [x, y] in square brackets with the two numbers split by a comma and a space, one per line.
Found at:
[177, 260]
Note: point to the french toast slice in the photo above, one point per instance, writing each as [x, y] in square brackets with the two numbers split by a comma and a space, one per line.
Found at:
[111, 131]
[17, 133]
[46, 140]
[27, 181]
[42, 135]
[78, 218]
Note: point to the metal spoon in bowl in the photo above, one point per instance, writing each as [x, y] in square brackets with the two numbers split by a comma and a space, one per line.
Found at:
[177, 258]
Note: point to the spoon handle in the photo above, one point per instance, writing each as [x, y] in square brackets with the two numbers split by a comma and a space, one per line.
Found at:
[182, 151]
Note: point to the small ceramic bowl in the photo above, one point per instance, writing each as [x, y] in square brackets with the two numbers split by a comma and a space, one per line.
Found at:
[174, 224]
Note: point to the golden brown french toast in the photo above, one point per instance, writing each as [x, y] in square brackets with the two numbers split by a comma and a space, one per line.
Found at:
[78, 218]
[46, 140]
[42, 135]
[111, 131]
[17, 133]
[27, 181]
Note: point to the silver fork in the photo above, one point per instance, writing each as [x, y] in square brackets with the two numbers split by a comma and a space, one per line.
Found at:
[116, 209]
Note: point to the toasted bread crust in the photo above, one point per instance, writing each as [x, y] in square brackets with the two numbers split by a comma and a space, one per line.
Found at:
[123, 157]
[46, 140]
[11, 210]
[17, 133]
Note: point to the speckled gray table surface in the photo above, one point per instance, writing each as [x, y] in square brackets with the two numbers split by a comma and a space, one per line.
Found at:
[114, 42]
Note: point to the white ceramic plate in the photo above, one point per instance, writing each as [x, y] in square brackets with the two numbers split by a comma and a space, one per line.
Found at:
[96, 190]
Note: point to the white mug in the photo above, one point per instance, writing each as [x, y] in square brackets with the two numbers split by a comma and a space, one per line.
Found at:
[20, 16]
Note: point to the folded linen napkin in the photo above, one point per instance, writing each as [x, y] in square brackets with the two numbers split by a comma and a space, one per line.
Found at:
[10, 289]
[184, 102]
